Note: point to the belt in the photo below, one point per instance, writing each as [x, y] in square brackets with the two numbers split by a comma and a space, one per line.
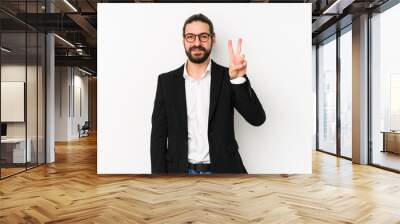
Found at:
[200, 166]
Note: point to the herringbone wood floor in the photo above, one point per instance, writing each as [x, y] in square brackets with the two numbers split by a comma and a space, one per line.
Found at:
[70, 191]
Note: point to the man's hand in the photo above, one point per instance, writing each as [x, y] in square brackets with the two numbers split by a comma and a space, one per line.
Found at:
[237, 65]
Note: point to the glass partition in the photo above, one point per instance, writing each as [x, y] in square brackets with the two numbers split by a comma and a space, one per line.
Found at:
[41, 107]
[22, 67]
[32, 95]
[327, 96]
[14, 153]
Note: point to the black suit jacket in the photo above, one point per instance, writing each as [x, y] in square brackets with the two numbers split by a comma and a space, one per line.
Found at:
[169, 121]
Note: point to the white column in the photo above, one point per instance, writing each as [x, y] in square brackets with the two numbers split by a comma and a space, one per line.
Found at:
[360, 90]
[50, 110]
[50, 93]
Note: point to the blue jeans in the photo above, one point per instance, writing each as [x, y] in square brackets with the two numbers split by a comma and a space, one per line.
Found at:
[192, 172]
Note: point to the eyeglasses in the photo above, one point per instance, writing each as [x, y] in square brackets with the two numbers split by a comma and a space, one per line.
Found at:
[203, 37]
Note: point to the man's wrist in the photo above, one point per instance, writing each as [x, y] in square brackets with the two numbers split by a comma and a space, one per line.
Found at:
[238, 80]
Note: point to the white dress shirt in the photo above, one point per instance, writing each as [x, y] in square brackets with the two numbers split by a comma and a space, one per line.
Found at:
[198, 104]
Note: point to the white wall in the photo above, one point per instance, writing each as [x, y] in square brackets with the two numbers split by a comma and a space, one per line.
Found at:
[136, 42]
[61, 103]
[80, 84]
[68, 81]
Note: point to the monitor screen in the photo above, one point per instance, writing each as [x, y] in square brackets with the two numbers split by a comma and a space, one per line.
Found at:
[3, 129]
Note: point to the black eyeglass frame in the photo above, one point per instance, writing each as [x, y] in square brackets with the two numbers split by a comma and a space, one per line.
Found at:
[209, 35]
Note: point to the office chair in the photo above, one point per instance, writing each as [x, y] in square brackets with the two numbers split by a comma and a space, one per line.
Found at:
[84, 130]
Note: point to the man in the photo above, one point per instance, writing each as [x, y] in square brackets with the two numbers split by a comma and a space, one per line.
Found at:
[192, 122]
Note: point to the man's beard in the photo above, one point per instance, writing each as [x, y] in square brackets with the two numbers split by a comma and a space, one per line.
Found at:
[198, 60]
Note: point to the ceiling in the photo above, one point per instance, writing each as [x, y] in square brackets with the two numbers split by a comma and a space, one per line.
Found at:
[76, 22]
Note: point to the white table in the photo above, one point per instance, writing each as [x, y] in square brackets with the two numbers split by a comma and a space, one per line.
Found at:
[19, 155]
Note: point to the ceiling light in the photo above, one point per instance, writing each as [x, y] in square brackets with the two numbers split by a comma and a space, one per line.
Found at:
[70, 5]
[84, 71]
[5, 50]
[64, 40]
[338, 6]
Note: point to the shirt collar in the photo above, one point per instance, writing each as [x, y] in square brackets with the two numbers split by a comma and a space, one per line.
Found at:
[186, 74]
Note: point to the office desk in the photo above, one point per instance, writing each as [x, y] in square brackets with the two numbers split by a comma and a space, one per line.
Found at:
[391, 141]
[13, 150]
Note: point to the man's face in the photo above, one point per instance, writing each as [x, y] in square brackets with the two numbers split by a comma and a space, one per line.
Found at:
[198, 48]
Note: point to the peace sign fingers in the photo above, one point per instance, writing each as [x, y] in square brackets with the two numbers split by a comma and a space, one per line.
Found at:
[230, 49]
[238, 51]
[239, 46]
[237, 61]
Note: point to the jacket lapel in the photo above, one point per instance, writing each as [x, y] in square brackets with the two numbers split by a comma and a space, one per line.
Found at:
[216, 80]
[180, 96]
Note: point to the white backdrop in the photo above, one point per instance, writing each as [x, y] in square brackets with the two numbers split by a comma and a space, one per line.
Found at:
[137, 42]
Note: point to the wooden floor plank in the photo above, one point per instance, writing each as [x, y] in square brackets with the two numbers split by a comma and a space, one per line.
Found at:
[70, 191]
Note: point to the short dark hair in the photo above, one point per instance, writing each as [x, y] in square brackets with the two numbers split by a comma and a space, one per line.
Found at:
[202, 18]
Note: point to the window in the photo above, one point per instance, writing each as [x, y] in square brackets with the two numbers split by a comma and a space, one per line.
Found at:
[385, 88]
[346, 93]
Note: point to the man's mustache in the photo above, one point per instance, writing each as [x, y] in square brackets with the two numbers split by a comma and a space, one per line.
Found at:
[198, 48]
